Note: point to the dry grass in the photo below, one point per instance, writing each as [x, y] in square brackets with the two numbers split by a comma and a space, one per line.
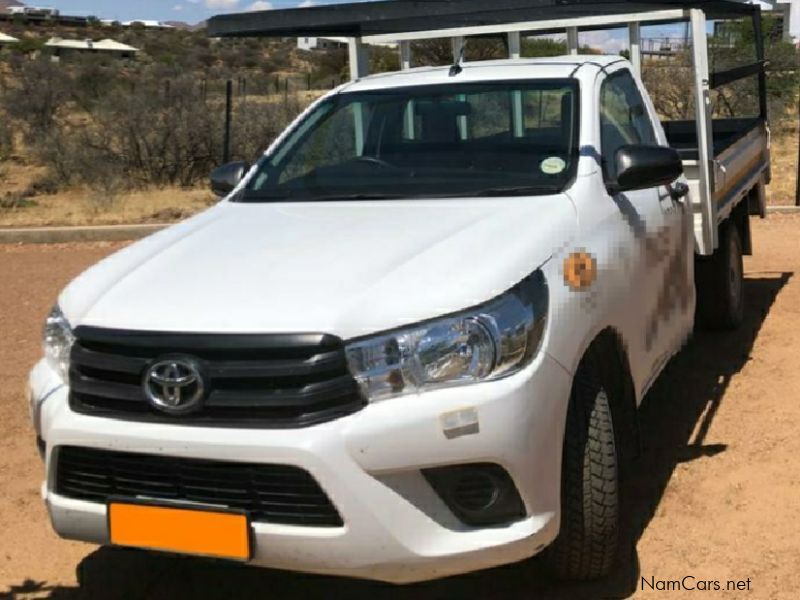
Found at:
[784, 164]
[79, 207]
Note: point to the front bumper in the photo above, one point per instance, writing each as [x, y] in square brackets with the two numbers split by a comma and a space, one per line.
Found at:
[396, 528]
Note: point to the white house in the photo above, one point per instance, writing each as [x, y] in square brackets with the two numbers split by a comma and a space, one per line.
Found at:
[320, 43]
[62, 48]
[7, 39]
[147, 23]
[329, 43]
[33, 11]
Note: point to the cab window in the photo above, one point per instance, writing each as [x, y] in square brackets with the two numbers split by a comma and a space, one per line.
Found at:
[623, 118]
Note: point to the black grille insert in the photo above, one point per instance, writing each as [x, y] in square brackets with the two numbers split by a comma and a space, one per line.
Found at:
[251, 380]
[270, 493]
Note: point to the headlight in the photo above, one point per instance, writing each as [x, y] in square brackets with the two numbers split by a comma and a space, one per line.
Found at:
[58, 340]
[491, 341]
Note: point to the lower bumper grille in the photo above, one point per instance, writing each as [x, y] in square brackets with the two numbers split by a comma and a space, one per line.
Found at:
[270, 493]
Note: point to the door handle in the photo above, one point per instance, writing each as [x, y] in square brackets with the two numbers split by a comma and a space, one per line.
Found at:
[678, 190]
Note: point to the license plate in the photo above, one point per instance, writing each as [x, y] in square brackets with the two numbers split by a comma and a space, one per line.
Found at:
[206, 532]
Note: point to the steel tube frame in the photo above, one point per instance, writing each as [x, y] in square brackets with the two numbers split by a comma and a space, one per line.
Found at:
[702, 76]
[705, 142]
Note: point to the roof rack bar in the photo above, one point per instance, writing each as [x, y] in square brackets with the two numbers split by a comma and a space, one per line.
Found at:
[658, 16]
[404, 48]
[762, 75]
[393, 17]
[514, 46]
[705, 142]
[635, 46]
[572, 40]
[720, 78]
[358, 58]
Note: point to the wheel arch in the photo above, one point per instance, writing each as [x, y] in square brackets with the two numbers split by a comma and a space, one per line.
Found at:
[624, 403]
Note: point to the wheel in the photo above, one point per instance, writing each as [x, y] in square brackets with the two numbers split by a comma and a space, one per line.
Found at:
[719, 281]
[586, 546]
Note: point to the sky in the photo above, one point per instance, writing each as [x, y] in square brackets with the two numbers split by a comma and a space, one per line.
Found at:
[191, 11]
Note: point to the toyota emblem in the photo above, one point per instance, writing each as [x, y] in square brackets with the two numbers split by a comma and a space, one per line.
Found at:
[174, 386]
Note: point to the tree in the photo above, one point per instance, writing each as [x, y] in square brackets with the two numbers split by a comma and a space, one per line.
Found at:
[543, 47]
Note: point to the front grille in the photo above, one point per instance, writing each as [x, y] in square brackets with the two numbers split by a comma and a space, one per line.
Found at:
[251, 380]
[269, 493]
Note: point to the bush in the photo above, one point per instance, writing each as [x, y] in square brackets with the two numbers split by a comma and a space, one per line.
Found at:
[151, 134]
[257, 124]
[6, 138]
[14, 201]
[42, 89]
[46, 185]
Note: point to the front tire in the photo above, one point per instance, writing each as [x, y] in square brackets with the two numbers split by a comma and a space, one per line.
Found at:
[586, 546]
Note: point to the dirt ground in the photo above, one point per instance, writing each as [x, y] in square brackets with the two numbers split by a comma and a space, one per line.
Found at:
[715, 496]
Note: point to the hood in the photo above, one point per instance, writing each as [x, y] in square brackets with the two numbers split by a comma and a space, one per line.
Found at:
[344, 268]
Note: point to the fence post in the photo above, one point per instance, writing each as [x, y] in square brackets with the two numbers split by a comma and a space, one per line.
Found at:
[226, 156]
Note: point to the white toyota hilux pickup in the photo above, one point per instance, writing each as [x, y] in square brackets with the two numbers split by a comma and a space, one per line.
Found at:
[409, 342]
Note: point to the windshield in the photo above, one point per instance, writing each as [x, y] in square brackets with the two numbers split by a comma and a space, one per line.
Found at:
[479, 139]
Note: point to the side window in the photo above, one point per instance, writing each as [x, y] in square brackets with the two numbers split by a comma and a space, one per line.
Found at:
[623, 117]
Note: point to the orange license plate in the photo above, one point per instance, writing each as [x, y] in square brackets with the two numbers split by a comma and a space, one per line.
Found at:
[205, 532]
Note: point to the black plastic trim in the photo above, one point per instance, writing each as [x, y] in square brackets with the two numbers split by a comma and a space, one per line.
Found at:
[270, 493]
[211, 341]
[357, 19]
[261, 381]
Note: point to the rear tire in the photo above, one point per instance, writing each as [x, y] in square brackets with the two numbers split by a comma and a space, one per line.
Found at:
[586, 546]
[719, 281]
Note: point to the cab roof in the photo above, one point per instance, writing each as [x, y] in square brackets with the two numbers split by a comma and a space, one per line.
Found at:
[556, 67]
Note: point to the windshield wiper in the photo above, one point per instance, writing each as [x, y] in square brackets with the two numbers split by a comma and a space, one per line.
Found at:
[322, 198]
[356, 196]
[519, 190]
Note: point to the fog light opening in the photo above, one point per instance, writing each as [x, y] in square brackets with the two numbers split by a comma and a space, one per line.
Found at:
[478, 494]
[476, 491]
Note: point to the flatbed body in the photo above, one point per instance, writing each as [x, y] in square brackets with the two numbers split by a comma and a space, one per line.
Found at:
[741, 163]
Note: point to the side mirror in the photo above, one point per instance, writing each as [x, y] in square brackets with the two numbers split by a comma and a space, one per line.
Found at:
[225, 178]
[642, 166]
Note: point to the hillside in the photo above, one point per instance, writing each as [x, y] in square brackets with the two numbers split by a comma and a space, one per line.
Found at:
[185, 26]
[4, 4]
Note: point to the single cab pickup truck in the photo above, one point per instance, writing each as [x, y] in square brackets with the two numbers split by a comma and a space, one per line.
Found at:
[412, 338]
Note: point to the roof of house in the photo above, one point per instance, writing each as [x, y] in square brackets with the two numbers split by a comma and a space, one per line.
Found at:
[7, 39]
[107, 45]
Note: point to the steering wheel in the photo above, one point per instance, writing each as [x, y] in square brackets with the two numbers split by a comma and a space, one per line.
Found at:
[374, 160]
